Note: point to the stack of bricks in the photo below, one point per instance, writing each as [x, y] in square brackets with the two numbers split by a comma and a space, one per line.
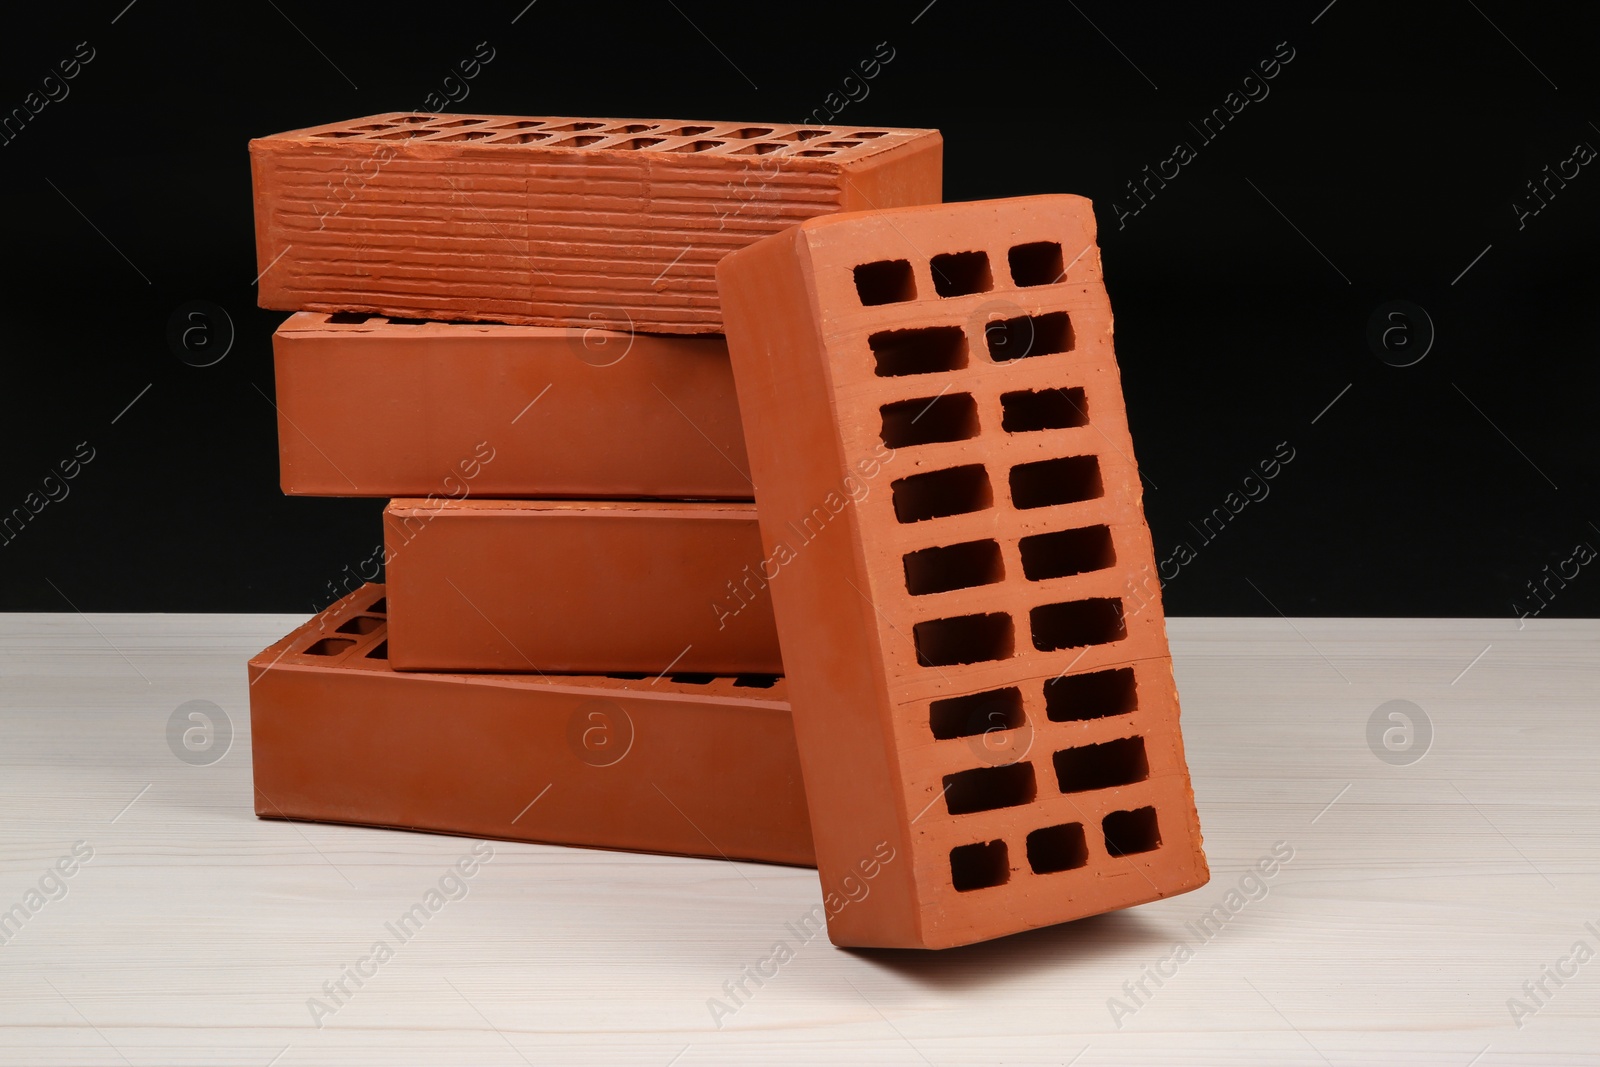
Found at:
[509, 328]
[906, 465]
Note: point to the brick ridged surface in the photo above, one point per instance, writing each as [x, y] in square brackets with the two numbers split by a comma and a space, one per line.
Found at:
[686, 765]
[977, 657]
[542, 585]
[371, 407]
[553, 221]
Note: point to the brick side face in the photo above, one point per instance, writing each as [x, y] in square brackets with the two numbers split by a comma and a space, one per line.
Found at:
[578, 586]
[371, 407]
[683, 763]
[1023, 684]
[614, 223]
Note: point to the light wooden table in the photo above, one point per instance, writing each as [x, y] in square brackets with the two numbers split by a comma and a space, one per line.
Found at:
[1419, 898]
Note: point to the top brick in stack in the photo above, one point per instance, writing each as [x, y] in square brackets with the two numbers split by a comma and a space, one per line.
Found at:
[613, 223]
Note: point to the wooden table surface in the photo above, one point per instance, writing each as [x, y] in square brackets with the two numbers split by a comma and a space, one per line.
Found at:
[1434, 910]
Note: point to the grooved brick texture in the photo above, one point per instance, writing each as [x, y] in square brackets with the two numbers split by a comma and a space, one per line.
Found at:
[616, 223]
[368, 406]
[685, 764]
[976, 649]
[586, 586]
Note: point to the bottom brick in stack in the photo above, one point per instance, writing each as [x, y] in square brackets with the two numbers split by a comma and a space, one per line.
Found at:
[682, 763]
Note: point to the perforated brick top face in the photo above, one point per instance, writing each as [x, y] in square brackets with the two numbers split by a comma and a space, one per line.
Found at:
[592, 135]
[553, 221]
[352, 634]
[976, 649]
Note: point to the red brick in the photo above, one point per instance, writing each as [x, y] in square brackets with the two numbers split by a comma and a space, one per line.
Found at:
[367, 407]
[544, 586]
[962, 579]
[553, 221]
[705, 769]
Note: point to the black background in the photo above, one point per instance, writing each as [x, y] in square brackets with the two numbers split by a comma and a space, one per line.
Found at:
[1388, 155]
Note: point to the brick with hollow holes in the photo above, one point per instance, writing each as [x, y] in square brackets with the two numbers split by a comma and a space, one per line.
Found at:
[977, 656]
[578, 585]
[369, 407]
[686, 764]
[594, 223]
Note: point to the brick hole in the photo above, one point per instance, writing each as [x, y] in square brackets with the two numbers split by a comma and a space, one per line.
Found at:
[988, 788]
[1058, 848]
[465, 135]
[964, 639]
[393, 321]
[573, 127]
[692, 678]
[953, 491]
[329, 646]
[976, 714]
[755, 681]
[749, 132]
[341, 133]
[960, 273]
[928, 350]
[582, 141]
[379, 651]
[523, 124]
[813, 153]
[887, 281]
[1066, 552]
[413, 119]
[1093, 695]
[760, 148]
[1077, 623]
[379, 606]
[929, 420]
[361, 624]
[403, 135]
[348, 318]
[373, 126]
[963, 566]
[523, 138]
[1049, 482]
[458, 122]
[1028, 335]
[1131, 832]
[979, 866]
[633, 127]
[1047, 409]
[688, 131]
[1103, 766]
[839, 144]
[811, 135]
[697, 146]
[1036, 263]
[640, 142]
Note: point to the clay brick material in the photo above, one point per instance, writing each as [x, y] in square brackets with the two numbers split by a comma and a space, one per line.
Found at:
[373, 407]
[586, 586]
[977, 658]
[617, 223]
[684, 765]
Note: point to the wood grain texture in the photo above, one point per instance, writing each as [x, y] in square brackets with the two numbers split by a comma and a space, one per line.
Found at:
[1418, 900]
